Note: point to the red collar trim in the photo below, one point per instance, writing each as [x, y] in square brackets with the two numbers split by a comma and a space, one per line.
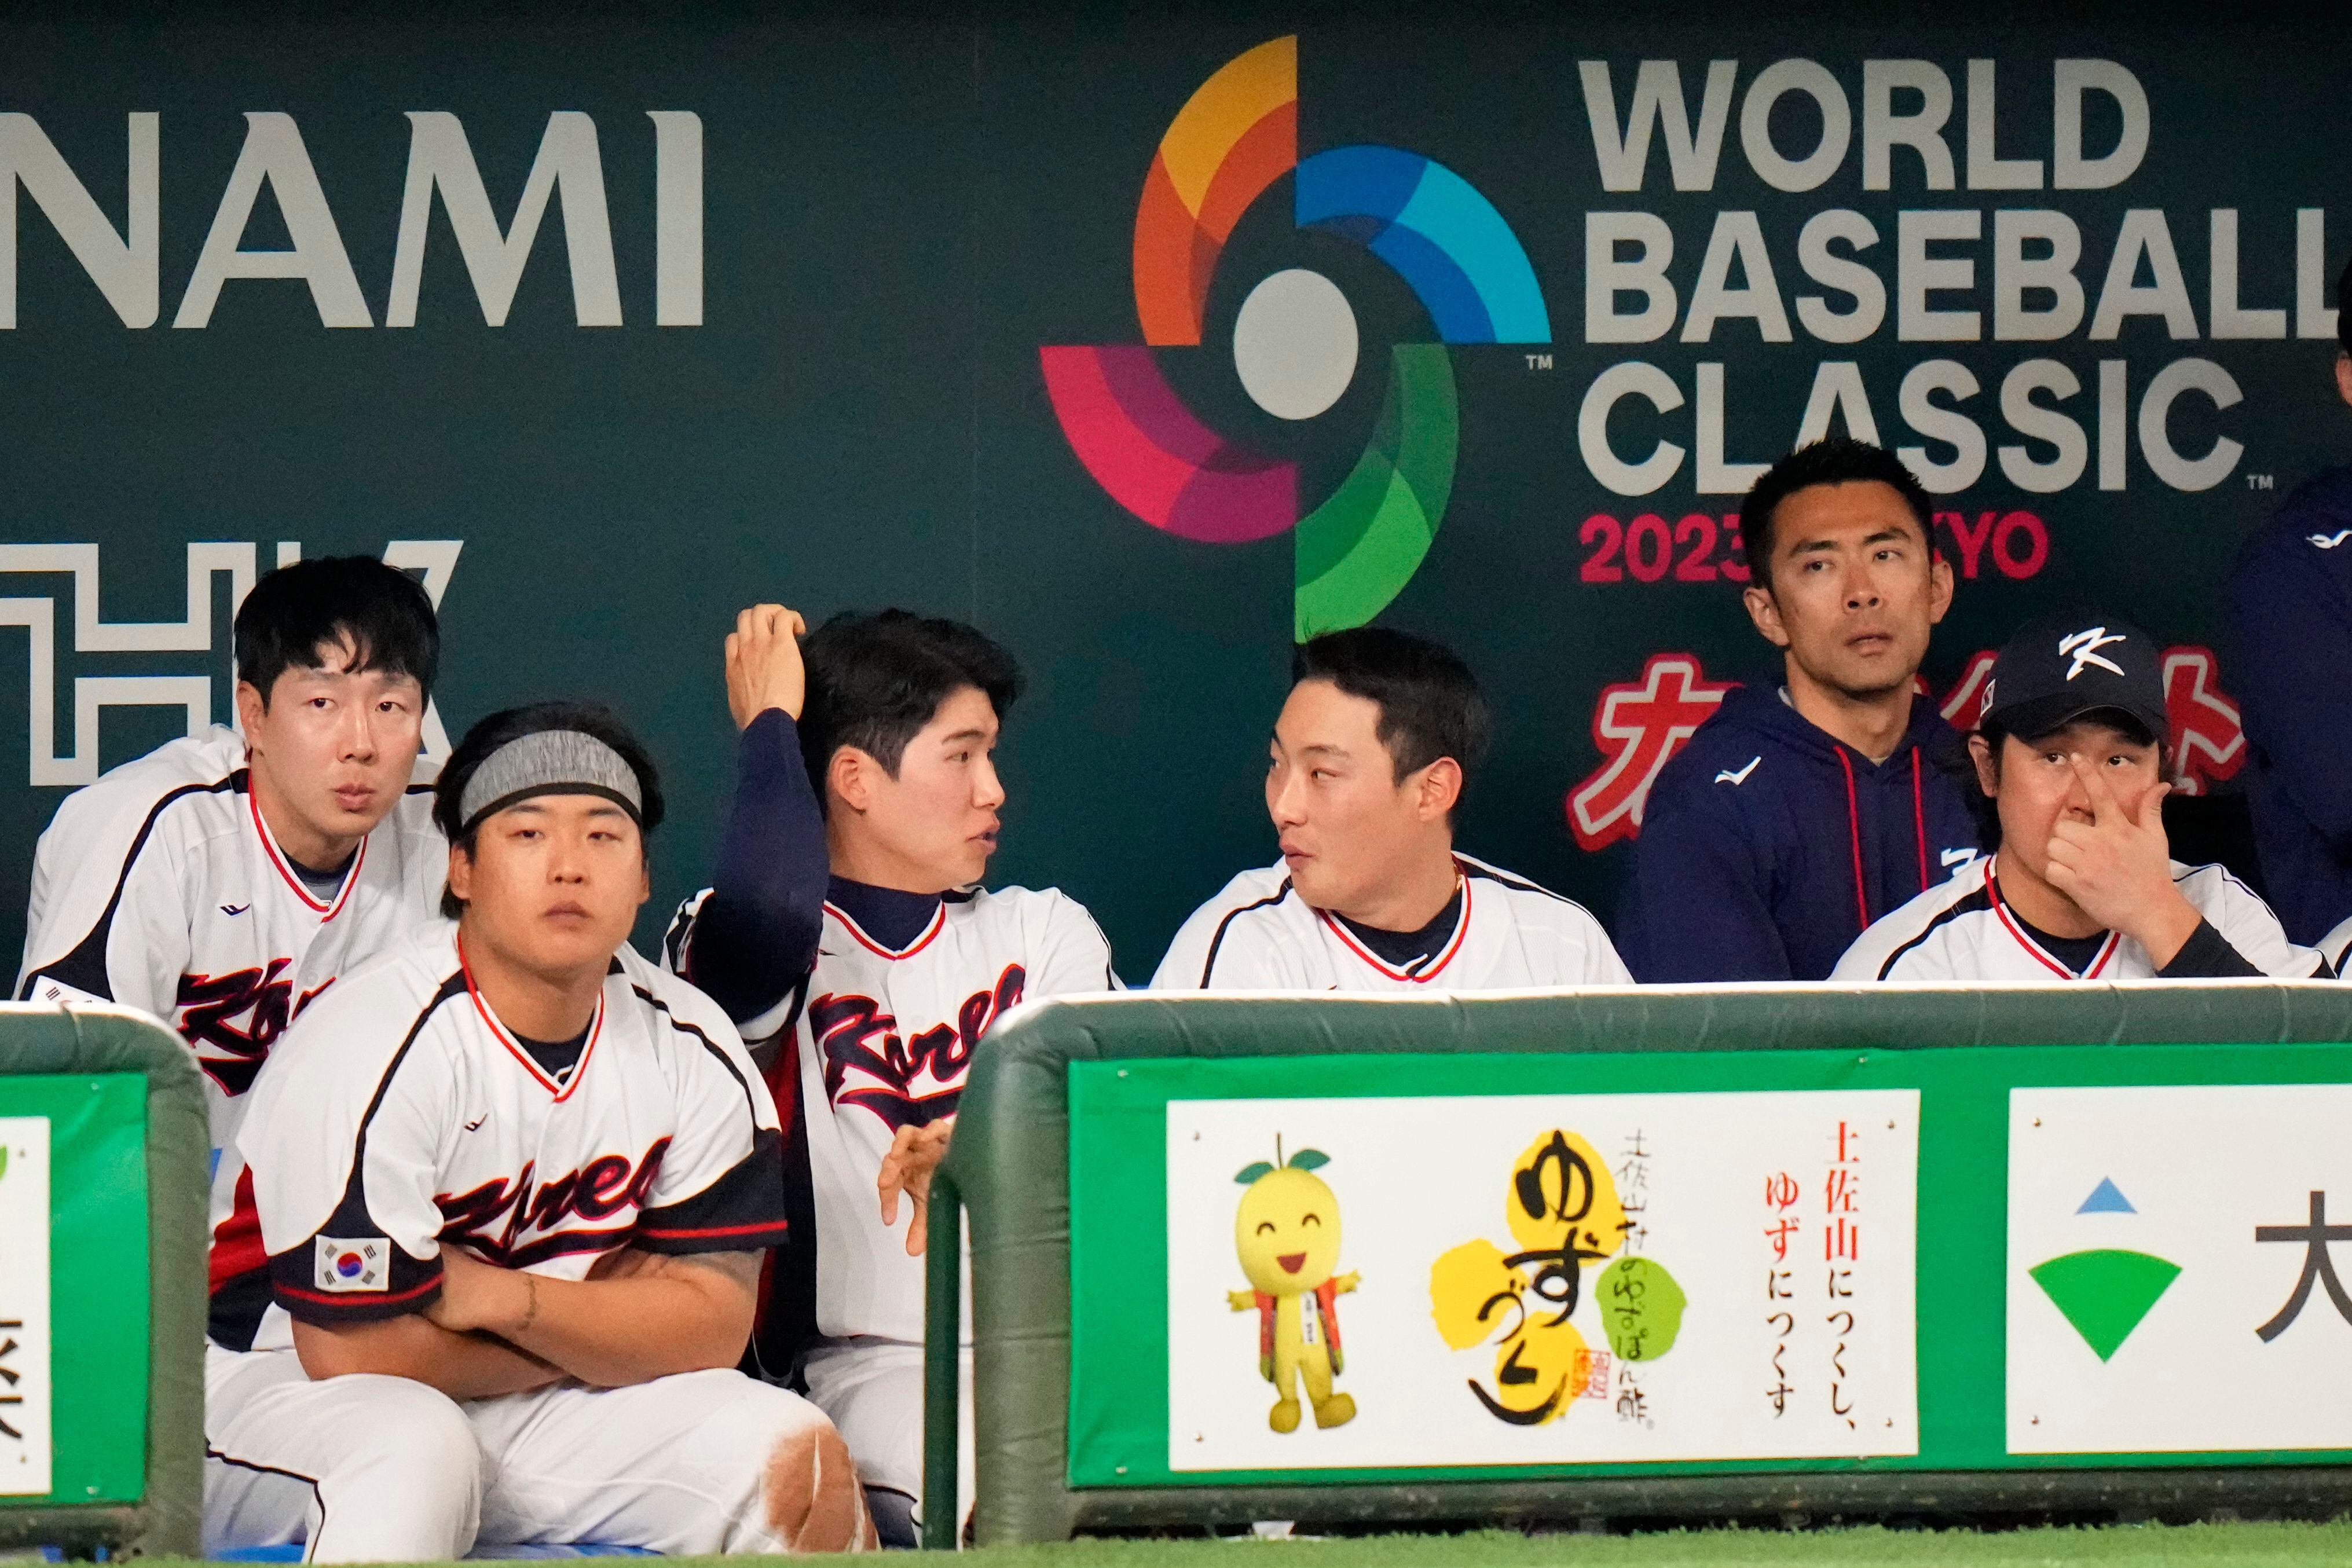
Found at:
[1444, 957]
[562, 1092]
[938, 923]
[277, 858]
[2000, 909]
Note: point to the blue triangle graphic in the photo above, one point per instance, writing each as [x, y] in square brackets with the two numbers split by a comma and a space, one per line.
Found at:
[2106, 1199]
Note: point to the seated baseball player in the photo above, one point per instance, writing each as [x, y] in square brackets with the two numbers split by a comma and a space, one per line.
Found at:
[2337, 948]
[2070, 759]
[507, 1189]
[1823, 793]
[847, 934]
[1371, 756]
[222, 881]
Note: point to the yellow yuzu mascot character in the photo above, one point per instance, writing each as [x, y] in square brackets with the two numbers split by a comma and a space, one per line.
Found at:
[1286, 1233]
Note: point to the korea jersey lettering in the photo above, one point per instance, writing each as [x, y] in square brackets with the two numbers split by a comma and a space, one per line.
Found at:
[400, 1115]
[1964, 931]
[1260, 935]
[160, 888]
[882, 1039]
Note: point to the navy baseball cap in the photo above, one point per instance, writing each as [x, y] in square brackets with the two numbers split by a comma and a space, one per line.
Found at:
[2060, 667]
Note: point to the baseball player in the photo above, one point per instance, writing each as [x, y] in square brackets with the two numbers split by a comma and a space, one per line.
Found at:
[2337, 948]
[510, 1186]
[846, 932]
[222, 881]
[2071, 758]
[1369, 758]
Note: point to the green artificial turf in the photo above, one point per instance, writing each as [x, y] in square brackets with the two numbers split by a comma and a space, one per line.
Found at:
[2110, 1546]
[2236, 1545]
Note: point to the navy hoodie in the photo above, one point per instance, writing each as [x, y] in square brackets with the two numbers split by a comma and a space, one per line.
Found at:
[2291, 670]
[1767, 845]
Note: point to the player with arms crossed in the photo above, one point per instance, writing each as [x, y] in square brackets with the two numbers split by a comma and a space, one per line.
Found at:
[847, 932]
[1369, 758]
[511, 1185]
[2069, 758]
[222, 882]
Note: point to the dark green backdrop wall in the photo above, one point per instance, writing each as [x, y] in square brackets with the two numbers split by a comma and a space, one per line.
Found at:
[899, 210]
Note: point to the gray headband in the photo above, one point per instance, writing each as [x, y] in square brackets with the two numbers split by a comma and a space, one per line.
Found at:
[549, 762]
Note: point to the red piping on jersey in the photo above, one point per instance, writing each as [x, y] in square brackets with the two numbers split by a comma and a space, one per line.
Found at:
[1853, 830]
[1853, 833]
[1920, 818]
[344, 1298]
[563, 1091]
[269, 846]
[2000, 908]
[938, 922]
[1445, 957]
[715, 1230]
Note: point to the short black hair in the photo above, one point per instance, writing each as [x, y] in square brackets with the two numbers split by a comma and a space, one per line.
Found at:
[1430, 703]
[1985, 811]
[875, 679]
[293, 611]
[512, 724]
[2343, 307]
[1838, 460]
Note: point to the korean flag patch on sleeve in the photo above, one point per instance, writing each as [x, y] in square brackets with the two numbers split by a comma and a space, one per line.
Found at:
[359, 1263]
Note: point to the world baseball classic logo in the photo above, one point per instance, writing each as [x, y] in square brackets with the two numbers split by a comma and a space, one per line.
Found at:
[1295, 341]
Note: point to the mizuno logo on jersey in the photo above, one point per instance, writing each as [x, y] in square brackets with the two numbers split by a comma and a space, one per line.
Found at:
[211, 1005]
[2329, 540]
[2085, 645]
[233, 910]
[906, 1082]
[1739, 777]
[527, 1215]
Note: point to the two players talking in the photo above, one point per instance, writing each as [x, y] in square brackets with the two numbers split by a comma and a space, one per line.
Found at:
[496, 1219]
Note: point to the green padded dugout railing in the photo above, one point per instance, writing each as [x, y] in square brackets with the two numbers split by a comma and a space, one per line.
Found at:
[1961, 1050]
[127, 1148]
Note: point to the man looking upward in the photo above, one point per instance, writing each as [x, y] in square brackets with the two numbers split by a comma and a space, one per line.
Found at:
[1820, 797]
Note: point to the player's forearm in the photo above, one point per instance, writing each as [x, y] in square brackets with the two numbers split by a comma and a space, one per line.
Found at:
[615, 1333]
[757, 932]
[463, 1366]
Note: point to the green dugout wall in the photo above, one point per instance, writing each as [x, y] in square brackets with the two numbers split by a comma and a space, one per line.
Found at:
[2205, 1112]
[101, 1283]
[825, 384]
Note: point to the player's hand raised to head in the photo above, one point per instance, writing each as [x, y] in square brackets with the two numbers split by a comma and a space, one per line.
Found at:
[915, 1153]
[2117, 867]
[763, 664]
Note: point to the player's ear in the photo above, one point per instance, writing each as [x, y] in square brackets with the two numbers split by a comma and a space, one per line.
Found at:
[250, 707]
[1439, 790]
[461, 873]
[845, 777]
[1988, 765]
[1765, 611]
[1939, 584]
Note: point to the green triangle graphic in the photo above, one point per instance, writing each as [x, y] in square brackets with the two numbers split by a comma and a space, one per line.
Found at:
[2105, 1293]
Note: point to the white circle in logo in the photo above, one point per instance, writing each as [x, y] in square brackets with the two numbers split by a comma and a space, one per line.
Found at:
[1295, 344]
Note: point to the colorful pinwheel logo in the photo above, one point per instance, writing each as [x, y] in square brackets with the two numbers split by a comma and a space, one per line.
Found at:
[1295, 341]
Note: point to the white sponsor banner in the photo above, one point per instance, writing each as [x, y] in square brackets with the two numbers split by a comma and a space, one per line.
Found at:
[24, 1306]
[2167, 1291]
[1541, 1279]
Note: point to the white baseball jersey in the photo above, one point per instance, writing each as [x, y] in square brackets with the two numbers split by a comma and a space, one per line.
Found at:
[399, 1113]
[883, 1038]
[1260, 935]
[1963, 930]
[160, 888]
[2337, 948]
